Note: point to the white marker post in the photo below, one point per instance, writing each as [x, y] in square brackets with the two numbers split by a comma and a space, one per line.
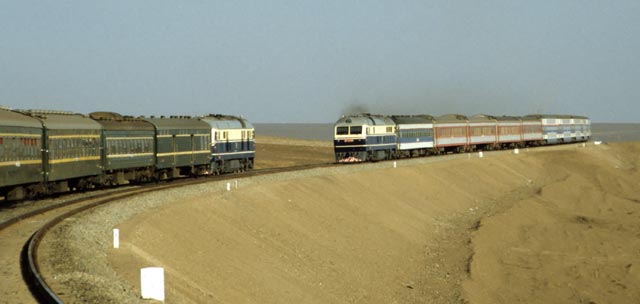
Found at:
[116, 238]
[152, 283]
[480, 154]
[516, 151]
[236, 184]
[395, 164]
[228, 186]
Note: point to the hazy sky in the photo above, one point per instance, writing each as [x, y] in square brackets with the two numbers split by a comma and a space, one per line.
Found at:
[310, 61]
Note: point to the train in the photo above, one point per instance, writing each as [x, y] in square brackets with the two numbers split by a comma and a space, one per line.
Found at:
[44, 152]
[365, 137]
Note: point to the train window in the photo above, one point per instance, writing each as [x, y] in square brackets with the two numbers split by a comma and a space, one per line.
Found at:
[458, 132]
[342, 130]
[356, 130]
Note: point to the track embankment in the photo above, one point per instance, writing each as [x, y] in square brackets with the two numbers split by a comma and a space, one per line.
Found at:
[548, 225]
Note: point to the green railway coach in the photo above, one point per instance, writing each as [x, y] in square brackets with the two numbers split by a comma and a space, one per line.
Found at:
[71, 149]
[182, 146]
[128, 154]
[21, 168]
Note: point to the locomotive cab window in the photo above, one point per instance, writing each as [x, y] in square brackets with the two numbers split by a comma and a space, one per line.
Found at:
[342, 130]
[356, 130]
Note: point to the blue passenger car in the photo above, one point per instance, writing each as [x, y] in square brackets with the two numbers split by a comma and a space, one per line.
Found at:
[415, 135]
[563, 128]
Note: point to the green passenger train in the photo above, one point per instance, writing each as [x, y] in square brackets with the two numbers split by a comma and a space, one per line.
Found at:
[44, 152]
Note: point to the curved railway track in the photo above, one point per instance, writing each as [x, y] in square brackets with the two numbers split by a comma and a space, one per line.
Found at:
[20, 235]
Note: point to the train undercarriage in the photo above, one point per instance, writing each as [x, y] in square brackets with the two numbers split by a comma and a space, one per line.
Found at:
[122, 177]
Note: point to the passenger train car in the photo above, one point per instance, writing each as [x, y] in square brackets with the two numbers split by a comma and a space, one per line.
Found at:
[415, 135]
[182, 145]
[20, 151]
[128, 153]
[68, 148]
[421, 135]
[44, 152]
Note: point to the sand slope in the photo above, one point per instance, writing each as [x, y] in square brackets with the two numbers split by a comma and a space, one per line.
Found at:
[576, 241]
[552, 225]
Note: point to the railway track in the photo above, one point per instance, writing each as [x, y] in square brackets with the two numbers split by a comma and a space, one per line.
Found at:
[21, 234]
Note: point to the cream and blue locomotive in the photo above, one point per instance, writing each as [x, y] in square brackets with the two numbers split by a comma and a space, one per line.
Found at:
[364, 137]
[232, 144]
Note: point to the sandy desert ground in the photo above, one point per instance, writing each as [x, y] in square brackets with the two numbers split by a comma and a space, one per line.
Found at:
[548, 225]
